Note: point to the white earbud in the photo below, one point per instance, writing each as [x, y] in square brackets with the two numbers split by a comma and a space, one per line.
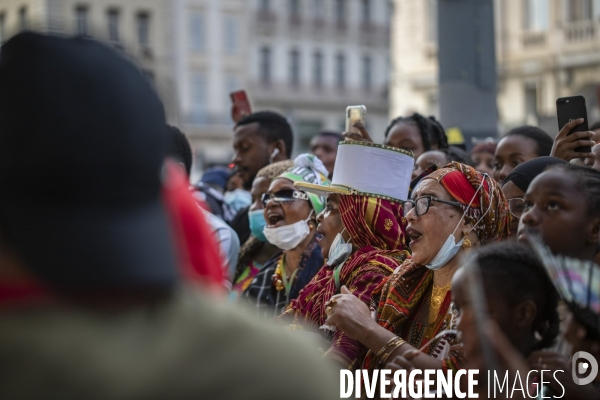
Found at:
[274, 154]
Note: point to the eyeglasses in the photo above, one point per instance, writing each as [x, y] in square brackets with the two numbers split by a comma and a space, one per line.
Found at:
[421, 205]
[284, 196]
[516, 207]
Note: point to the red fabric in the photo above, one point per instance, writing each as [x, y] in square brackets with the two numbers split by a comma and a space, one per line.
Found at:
[459, 187]
[198, 251]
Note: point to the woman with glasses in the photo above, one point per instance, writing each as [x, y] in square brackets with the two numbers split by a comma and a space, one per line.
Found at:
[516, 183]
[452, 210]
[257, 251]
[290, 216]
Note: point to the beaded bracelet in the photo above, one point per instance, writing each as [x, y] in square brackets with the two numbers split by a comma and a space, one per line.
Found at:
[388, 349]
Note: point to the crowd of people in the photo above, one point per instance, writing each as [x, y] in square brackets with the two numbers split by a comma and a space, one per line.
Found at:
[120, 278]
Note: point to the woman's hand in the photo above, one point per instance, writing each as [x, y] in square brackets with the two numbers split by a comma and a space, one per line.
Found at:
[349, 314]
[363, 136]
[564, 146]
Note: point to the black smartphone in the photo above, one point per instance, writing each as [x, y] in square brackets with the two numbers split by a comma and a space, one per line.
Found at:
[570, 108]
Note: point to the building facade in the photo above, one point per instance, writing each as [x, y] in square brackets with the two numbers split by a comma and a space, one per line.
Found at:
[308, 59]
[545, 49]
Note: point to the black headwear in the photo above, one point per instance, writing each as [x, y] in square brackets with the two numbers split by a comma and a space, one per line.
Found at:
[82, 142]
[524, 173]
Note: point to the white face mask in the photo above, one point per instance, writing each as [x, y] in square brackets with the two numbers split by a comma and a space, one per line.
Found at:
[449, 249]
[288, 237]
[339, 250]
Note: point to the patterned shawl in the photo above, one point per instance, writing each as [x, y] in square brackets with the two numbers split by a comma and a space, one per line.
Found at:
[375, 225]
[398, 299]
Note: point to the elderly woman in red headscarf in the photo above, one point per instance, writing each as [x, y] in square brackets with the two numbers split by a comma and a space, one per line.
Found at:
[452, 210]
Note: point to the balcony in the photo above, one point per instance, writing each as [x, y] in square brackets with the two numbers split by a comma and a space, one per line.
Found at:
[581, 31]
[531, 40]
[306, 95]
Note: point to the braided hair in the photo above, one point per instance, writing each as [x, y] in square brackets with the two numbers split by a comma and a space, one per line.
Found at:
[513, 272]
[432, 132]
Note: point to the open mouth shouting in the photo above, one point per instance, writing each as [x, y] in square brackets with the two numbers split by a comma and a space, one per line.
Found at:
[414, 236]
[275, 219]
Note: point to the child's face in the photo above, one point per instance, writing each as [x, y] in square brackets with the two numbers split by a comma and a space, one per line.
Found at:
[497, 310]
[556, 210]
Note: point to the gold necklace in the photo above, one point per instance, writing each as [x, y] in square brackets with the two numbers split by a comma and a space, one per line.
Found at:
[438, 294]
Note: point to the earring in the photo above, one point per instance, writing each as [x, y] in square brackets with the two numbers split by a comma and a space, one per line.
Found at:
[467, 243]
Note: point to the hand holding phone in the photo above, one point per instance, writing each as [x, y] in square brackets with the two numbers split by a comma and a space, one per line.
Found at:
[574, 138]
[240, 105]
[355, 124]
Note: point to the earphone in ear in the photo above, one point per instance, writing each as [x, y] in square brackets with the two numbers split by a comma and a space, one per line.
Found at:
[274, 153]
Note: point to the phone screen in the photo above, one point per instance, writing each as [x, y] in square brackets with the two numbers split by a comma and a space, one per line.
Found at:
[569, 109]
[241, 104]
[355, 114]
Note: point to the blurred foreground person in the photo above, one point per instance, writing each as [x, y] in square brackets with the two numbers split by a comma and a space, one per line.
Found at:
[92, 305]
[229, 244]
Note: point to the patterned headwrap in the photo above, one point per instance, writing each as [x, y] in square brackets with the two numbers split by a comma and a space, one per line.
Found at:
[308, 168]
[373, 222]
[489, 209]
[375, 226]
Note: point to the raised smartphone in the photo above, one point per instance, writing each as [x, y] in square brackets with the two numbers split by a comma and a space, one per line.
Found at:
[570, 108]
[355, 114]
[241, 105]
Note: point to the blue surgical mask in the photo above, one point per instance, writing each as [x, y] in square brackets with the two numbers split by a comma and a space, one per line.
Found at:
[238, 199]
[450, 248]
[446, 253]
[339, 250]
[257, 224]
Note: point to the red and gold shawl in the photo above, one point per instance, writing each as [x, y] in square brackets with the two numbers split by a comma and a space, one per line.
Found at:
[376, 226]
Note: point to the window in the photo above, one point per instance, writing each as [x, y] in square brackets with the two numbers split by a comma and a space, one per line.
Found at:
[579, 10]
[294, 6]
[366, 11]
[531, 104]
[265, 65]
[199, 98]
[23, 23]
[143, 29]
[231, 35]
[339, 10]
[295, 67]
[318, 69]
[113, 25]
[367, 73]
[432, 22]
[81, 20]
[340, 71]
[265, 5]
[535, 15]
[2, 28]
[317, 8]
[197, 29]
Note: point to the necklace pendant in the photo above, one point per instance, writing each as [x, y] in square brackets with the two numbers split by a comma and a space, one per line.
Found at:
[279, 285]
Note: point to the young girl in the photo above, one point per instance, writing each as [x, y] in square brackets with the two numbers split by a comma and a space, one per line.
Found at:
[562, 205]
[519, 297]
